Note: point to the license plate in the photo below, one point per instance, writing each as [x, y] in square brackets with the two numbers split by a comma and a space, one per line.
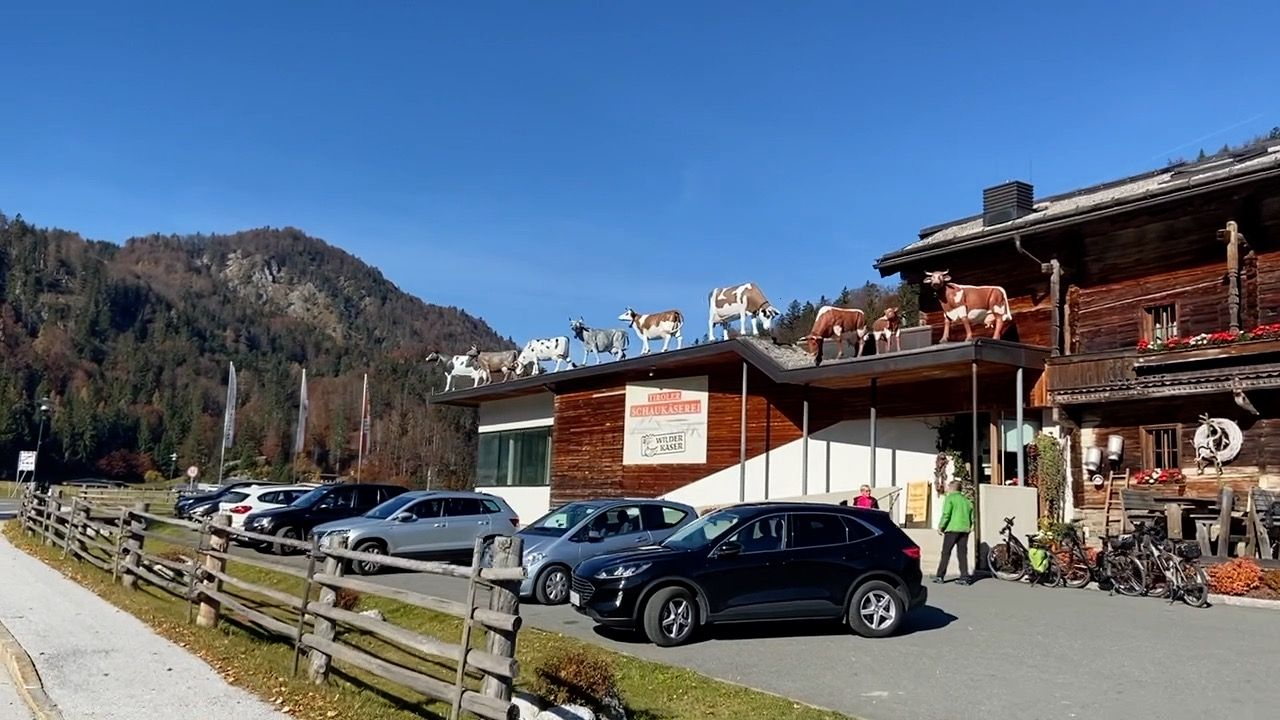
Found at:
[574, 598]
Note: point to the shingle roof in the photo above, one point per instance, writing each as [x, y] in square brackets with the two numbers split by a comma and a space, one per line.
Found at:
[1250, 160]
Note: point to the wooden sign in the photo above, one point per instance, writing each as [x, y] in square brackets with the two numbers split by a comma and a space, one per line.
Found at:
[917, 503]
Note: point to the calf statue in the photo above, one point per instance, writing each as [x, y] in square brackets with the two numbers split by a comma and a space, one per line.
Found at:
[742, 302]
[887, 330]
[457, 366]
[969, 304]
[539, 349]
[838, 323]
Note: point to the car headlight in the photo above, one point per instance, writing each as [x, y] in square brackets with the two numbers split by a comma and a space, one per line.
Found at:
[626, 570]
[262, 522]
[533, 558]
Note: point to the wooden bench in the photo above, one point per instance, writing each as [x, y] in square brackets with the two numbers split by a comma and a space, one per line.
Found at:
[1264, 523]
[1138, 506]
[1230, 512]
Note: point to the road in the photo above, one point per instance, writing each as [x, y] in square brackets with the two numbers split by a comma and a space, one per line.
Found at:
[991, 650]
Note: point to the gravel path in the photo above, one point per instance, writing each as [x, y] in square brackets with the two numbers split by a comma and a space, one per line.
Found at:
[12, 707]
[100, 663]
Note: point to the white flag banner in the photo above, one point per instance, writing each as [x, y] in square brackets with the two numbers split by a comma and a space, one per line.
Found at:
[300, 439]
[229, 419]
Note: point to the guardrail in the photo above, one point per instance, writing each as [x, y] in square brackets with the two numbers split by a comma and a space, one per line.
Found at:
[123, 540]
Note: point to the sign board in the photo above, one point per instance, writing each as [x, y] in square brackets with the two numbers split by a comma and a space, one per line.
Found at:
[27, 461]
[917, 503]
[666, 422]
[193, 472]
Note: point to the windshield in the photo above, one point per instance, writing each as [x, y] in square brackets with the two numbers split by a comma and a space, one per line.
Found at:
[310, 498]
[390, 507]
[702, 532]
[562, 519]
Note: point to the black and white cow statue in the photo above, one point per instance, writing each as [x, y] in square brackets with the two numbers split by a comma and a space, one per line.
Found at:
[457, 366]
[530, 360]
[612, 340]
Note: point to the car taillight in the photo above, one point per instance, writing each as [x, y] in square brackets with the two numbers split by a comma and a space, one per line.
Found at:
[912, 552]
[242, 509]
[515, 522]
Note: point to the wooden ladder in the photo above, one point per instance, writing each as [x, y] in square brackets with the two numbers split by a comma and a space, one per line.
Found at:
[1113, 509]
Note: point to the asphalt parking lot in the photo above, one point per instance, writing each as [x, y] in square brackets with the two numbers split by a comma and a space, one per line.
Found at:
[992, 650]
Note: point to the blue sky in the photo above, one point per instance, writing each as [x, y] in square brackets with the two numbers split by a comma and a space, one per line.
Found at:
[528, 161]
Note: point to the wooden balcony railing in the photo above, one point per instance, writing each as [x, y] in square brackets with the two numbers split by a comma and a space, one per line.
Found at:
[1092, 370]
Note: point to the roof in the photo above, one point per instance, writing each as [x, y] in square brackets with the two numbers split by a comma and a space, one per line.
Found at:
[1164, 185]
[783, 364]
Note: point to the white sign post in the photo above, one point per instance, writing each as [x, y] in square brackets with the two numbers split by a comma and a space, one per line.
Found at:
[193, 472]
[666, 422]
[27, 461]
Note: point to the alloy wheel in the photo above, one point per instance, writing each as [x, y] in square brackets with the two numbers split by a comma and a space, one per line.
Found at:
[556, 586]
[677, 618]
[877, 610]
[369, 567]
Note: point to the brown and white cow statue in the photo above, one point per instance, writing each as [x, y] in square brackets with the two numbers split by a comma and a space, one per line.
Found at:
[970, 304]
[665, 325]
[838, 323]
[742, 302]
[496, 362]
[887, 330]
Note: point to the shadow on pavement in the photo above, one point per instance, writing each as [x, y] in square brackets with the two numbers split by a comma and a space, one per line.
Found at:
[922, 620]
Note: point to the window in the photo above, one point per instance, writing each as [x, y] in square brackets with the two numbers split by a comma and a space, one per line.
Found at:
[368, 498]
[1160, 322]
[858, 530]
[339, 499]
[658, 517]
[815, 530]
[490, 507]
[515, 457]
[1160, 446]
[234, 497]
[617, 521]
[461, 507]
[426, 509]
[762, 535]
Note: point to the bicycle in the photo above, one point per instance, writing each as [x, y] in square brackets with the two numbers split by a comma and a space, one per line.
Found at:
[1011, 560]
[1184, 578]
[1118, 570]
[1074, 561]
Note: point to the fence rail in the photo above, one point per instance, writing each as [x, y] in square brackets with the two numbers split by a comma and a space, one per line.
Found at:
[119, 534]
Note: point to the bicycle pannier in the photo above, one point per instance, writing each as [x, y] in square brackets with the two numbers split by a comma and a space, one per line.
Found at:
[1188, 551]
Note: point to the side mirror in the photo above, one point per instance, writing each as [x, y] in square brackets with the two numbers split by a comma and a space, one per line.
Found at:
[729, 549]
[594, 536]
[403, 517]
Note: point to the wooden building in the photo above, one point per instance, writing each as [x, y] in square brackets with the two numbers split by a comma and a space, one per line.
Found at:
[1149, 292]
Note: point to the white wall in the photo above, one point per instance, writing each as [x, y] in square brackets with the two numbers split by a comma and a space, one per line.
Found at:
[517, 413]
[839, 461]
[530, 503]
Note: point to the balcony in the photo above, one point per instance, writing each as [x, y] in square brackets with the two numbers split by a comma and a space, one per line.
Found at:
[1127, 374]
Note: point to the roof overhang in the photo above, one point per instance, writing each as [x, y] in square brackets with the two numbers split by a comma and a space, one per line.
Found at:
[932, 362]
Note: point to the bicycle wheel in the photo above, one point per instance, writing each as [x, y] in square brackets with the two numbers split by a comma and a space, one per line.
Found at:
[1075, 572]
[1127, 576]
[1051, 577]
[1007, 562]
[1196, 592]
[1157, 585]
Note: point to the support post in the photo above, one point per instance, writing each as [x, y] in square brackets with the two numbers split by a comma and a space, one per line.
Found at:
[312, 554]
[1227, 497]
[504, 598]
[133, 547]
[975, 468]
[219, 541]
[70, 527]
[1232, 237]
[52, 506]
[1055, 299]
[323, 627]
[804, 442]
[1022, 440]
[742, 439]
[872, 441]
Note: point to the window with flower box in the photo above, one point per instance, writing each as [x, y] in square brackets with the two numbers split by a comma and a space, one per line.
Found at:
[1159, 323]
[1160, 445]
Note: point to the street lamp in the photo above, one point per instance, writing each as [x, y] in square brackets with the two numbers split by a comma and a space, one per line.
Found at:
[43, 411]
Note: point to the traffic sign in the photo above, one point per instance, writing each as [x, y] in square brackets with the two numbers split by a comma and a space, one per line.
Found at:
[193, 472]
[27, 461]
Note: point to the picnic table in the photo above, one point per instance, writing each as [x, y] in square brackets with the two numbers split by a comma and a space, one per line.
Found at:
[1179, 509]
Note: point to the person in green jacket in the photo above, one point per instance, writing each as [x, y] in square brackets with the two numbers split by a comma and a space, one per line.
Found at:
[955, 525]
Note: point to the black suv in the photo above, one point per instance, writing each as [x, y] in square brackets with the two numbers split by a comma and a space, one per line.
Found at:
[766, 561]
[321, 505]
[187, 505]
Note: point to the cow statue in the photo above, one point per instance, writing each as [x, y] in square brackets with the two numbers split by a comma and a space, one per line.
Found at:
[665, 325]
[613, 340]
[496, 361]
[887, 330]
[537, 350]
[838, 323]
[461, 366]
[969, 304]
[742, 302]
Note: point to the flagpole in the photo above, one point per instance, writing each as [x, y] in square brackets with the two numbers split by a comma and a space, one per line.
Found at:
[300, 438]
[364, 399]
[228, 420]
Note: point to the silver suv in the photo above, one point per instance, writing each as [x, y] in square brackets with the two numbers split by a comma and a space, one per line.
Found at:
[555, 543]
[424, 522]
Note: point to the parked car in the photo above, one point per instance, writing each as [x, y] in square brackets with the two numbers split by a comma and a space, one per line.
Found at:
[320, 505]
[424, 523]
[186, 504]
[255, 498]
[764, 561]
[555, 543]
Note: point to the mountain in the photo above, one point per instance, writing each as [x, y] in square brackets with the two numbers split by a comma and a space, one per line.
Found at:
[131, 344]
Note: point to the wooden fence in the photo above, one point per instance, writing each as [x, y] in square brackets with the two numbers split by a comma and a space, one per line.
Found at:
[122, 541]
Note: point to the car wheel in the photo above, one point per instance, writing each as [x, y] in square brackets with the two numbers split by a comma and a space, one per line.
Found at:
[876, 609]
[285, 533]
[552, 587]
[670, 617]
[373, 547]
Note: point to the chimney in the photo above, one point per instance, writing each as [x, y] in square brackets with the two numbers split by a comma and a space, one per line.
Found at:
[1006, 202]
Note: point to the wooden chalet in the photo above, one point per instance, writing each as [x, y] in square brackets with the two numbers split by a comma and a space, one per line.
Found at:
[1152, 294]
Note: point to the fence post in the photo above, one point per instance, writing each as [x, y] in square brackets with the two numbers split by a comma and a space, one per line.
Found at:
[219, 541]
[459, 680]
[312, 554]
[53, 503]
[324, 628]
[504, 598]
[133, 546]
[71, 526]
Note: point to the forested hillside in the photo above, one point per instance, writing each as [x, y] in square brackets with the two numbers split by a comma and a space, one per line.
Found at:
[131, 344]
